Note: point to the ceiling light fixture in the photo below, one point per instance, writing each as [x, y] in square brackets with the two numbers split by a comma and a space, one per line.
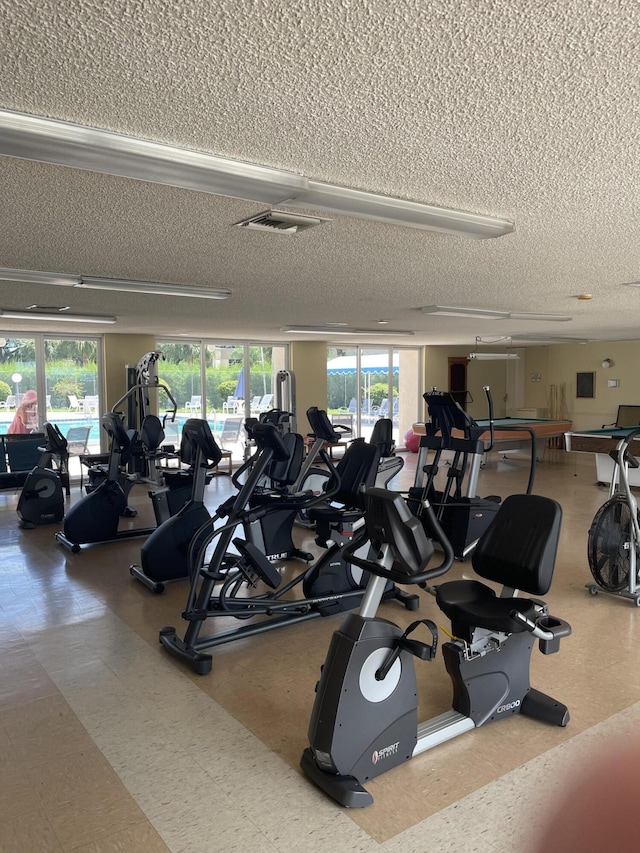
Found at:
[38, 277]
[154, 287]
[494, 356]
[121, 285]
[546, 339]
[36, 138]
[8, 314]
[488, 314]
[474, 313]
[48, 140]
[553, 318]
[337, 329]
[398, 211]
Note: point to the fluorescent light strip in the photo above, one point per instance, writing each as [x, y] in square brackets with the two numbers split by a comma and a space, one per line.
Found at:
[158, 288]
[343, 330]
[47, 140]
[121, 285]
[542, 339]
[475, 313]
[554, 318]
[494, 356]
[38, 277]
[488, 314]
[35, 138]
[397, 211]
[7, 314]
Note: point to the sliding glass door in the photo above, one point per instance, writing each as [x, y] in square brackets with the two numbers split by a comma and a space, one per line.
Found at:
[58, 379]
[18, 385]
[225, 383]
[368, 383]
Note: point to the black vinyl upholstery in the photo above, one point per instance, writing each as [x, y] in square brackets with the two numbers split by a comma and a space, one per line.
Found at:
[518, 550]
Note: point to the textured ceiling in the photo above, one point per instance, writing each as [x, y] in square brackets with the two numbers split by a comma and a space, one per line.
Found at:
[527, 111]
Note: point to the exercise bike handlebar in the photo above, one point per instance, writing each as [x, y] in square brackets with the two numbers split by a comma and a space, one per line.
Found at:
[407, 577]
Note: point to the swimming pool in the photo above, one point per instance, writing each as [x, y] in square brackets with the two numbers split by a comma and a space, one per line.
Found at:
[66, 420]
[172, 429]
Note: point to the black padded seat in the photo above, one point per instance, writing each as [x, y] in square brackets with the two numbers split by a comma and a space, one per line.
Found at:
[356, 469]
[517, 550]
[473, 604]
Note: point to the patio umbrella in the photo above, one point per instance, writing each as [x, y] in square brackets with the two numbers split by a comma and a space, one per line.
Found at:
[239, 392]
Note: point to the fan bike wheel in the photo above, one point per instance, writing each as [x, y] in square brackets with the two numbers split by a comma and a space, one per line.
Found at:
[608, 535]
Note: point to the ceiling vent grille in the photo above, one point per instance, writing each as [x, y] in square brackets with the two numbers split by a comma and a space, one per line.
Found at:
[281, 223]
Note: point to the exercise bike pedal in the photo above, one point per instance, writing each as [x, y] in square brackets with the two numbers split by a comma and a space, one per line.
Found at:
[418, 649]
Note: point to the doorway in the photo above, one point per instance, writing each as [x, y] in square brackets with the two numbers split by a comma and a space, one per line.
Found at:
[458, 380]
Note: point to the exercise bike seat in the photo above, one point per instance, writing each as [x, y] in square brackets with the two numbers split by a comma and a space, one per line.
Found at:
[474, 604]
[517, 550]
[357, 468]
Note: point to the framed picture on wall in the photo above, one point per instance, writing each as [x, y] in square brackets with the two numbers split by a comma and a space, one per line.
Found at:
[585, 385]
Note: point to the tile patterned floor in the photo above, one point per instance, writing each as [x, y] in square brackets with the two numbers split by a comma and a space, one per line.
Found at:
[107, 744]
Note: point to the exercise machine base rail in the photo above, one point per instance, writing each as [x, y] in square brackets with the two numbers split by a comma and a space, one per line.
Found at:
[75, 547]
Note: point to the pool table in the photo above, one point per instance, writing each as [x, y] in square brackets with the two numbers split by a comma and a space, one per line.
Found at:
[507, 436]
[601, 442]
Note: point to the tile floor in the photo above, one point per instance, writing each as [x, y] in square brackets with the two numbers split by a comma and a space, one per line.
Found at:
[108, 744]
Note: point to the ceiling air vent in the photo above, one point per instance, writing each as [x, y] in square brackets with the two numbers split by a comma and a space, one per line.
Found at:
[281, 223]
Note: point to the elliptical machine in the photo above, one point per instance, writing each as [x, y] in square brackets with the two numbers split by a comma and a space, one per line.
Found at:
[463, 514]
[330, 586]
[164, 557]
[364, 720]
[42, 498]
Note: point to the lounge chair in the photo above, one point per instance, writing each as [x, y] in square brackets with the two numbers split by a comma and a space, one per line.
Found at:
[265, 403]
[194, 405]
[90, 405]
[229, 435]
[77, 440]
[232, 405]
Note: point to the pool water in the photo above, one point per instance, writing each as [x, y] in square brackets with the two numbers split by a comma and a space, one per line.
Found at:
[172, 429]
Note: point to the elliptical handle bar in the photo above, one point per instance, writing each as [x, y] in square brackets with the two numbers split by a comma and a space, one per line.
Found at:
[303, 500]
[375, 568]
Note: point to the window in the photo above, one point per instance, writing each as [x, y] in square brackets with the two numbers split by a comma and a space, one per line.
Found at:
[64, 373]
[222, 382]
[367, 383]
